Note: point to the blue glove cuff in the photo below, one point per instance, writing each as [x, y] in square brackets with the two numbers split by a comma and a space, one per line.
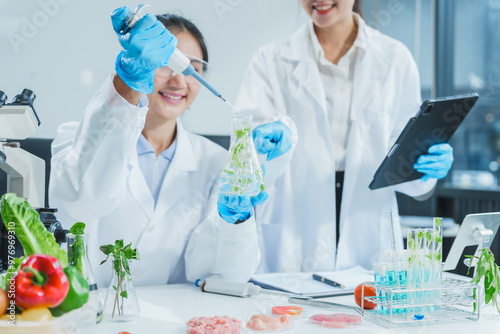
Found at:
[138, 77]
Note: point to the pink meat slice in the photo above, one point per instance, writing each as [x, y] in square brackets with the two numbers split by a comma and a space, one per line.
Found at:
[262, 322]
[338, 320]
[213, 325]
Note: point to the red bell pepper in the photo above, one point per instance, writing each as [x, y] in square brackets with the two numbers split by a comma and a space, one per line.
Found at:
[40, 282]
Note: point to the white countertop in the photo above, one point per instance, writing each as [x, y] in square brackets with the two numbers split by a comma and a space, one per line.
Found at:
[167, 308]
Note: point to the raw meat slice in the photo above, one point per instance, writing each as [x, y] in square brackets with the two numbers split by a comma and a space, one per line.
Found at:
[213, 325]
[262, 322]
[338, 320]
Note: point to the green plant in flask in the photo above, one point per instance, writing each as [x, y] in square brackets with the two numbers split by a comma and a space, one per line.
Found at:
[242, 172]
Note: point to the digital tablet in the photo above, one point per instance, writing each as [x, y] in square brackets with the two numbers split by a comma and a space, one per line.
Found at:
[435, 123]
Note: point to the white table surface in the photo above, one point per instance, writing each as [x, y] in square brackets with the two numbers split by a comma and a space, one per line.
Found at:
[167, 308]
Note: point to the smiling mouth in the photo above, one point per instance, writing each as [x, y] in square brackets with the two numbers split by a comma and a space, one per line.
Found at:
[323, 8]
[172, 98]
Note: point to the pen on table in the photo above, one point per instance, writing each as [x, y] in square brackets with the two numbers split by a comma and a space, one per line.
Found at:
[328, 281]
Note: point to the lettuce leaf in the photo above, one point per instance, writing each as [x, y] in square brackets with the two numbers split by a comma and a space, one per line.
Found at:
[29, 229]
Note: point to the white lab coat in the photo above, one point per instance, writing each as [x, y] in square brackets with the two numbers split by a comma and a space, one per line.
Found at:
[297, 224]
[95, 178]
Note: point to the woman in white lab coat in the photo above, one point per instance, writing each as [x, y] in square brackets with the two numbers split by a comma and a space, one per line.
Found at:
[130, 171]
[349, 91]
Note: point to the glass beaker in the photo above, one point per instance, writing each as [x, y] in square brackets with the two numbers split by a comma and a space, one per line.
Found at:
[242, 172]
[121, 303]
[78, 257]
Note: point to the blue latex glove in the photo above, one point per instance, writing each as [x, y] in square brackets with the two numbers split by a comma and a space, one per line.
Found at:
[273, 139]
[238, 207]
[437, 163]
[148, 46]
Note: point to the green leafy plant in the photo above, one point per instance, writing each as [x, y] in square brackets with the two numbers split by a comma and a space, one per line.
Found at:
[488, 270]
[121, 256]
[24, 221]
[76, 254]
[240, 178]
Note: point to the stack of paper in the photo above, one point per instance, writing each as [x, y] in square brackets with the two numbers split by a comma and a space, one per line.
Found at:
[304, 284]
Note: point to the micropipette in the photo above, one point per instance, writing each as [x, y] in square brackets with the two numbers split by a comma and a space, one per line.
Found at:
[178, 62]
[216, 285]
[132, 19]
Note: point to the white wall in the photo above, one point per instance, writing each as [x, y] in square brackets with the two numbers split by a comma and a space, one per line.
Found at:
[64, 49]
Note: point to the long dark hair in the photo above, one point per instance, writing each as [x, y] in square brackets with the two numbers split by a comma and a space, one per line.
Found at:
[357, 8]
[179, 23]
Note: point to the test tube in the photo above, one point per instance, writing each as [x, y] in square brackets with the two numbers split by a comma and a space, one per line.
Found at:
[429, 268]
[402, 258]
[391, 284]
[376, 277]
[438, 248]
[416, 267]
[437, 259]
[381, 280]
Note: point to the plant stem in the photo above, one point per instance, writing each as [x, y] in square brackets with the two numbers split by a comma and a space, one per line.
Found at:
[118, 286]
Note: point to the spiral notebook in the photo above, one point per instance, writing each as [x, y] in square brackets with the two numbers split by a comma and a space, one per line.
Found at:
[304, 284]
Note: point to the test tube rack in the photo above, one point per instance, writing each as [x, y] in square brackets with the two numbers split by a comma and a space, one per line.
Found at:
[451, 300]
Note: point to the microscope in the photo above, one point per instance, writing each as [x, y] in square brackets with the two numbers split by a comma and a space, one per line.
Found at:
[25, 171]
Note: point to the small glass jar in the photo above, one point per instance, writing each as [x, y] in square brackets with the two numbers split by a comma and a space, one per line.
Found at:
[78, 257]
[121, 303]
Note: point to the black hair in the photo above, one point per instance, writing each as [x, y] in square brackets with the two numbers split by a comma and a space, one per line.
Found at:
[357, 8]
[172, 21]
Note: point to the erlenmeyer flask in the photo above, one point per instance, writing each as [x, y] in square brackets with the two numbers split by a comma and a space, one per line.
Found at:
[77, 257]
[242, 173]
[121, 303]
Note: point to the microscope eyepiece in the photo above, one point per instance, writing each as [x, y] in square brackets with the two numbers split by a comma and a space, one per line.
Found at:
[3, 98]
[27, 97]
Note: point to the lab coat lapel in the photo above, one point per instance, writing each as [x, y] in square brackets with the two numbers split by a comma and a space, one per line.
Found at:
[139, 189]
[176, 182]
[305, 74]
[370, 77]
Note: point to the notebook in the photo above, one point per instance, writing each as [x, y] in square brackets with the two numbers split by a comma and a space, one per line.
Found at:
[304, 284]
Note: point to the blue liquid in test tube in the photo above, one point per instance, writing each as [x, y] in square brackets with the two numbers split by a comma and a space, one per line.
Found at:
[383, 282]
[403, 276]
[376, 276]
[391, 282]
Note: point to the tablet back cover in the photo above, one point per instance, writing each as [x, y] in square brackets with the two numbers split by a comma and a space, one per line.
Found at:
[435, 123]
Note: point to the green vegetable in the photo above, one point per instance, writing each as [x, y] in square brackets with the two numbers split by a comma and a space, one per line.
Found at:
[78, 293]
[29, 229]
[121, 255]
[76, 255]
[487, 268]
[11, 270]
[77, 228]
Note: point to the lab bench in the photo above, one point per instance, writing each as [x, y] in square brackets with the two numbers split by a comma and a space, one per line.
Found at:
[167, 308]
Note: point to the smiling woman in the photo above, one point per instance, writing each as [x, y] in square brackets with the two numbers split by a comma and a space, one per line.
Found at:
[349, 91]
[110, 170]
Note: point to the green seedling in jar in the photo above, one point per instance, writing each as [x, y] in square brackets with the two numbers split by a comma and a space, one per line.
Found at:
[121, 272]
[242, 173]
[488, 272]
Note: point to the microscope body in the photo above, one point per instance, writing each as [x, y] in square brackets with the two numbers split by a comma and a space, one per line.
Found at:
[25, 171]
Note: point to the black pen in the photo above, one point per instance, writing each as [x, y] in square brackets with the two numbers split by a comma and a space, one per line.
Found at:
[328, 281]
